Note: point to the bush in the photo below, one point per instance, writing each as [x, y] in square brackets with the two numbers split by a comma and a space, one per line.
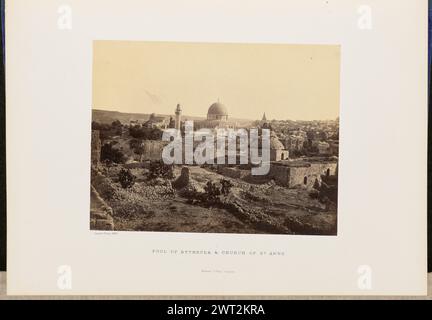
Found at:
[212, 191]
[100, 126]
[144, 133]
[126, 178]
[135, 143]
[314, 194]
[137, 146]
[324, 192]
[107, 130]
[158, 169]
[112, 154]
[226, 186]
[116, 124]
[297, 153]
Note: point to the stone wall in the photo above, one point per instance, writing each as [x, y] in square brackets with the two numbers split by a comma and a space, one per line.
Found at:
[152, 150]
[95, 147]
[278, 154]
[302, 175]
[280, 174]
[100, 213]
[234, 172]
[306, 176]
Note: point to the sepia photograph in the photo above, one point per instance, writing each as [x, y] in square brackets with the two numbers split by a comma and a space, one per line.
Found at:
[236, 138]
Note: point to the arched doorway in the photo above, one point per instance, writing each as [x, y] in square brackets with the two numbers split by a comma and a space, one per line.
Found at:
[305, 180]
[328, 172]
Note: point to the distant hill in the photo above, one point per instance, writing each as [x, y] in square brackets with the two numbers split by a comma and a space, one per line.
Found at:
[105, 116]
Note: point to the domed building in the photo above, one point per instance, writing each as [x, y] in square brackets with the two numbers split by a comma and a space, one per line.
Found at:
[217, 111]
[277, 149]
[217, 117]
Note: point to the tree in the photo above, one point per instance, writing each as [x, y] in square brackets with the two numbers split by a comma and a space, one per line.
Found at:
[212, 191]
[226, 186]
[158, 169]
[117, 127]
[116, 123]
[108, 164]
[135, 143]
[112, 154]
[144, 133]
[126, 178]
[137, 146]
[105, 129]
[310, 135]
[100, 126]
[323, 136]
[296, 153]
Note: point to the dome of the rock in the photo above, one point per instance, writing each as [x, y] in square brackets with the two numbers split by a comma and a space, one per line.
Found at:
[217, 111]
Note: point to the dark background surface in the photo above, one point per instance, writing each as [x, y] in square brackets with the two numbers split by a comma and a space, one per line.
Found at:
[429, 177]
[2, 151]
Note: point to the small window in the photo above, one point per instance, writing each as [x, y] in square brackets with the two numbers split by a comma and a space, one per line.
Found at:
[305, 180]
[328, 172]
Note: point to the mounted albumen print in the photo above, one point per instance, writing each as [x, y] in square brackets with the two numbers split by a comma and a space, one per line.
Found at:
[215, 137]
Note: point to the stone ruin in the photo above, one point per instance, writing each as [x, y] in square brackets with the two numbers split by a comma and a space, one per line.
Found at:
[95, 148]
[183, 180]
[101, 215]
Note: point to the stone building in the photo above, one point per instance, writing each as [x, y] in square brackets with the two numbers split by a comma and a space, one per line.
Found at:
[294, 143]
[217, 117]
[217, 111]
[323, 147]
[277, 149]
[303, 173]
[334, 147]
[155, 121]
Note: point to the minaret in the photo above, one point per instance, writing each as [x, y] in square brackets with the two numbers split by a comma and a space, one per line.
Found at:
[177, 117]
[264, 117]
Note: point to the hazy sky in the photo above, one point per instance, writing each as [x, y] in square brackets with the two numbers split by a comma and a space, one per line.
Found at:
[284, 81]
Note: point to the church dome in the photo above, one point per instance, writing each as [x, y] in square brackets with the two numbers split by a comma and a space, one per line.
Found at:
[275, 143]
[217, 109]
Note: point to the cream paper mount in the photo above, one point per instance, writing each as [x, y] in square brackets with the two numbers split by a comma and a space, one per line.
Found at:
[116, 182]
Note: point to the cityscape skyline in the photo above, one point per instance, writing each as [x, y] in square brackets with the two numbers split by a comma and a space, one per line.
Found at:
[203, 116]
